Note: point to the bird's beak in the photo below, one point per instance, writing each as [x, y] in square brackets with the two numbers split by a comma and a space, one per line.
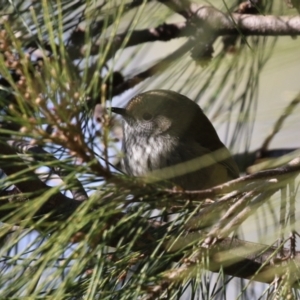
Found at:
[119, 111]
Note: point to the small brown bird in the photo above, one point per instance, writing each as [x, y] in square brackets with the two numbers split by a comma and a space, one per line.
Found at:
[167, 136]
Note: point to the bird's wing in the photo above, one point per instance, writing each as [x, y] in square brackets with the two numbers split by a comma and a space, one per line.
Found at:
[223, 157]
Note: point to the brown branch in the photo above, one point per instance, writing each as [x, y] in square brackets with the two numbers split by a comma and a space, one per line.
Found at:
[226, 226]
[231, 204]
[212, 22]
[224, 24]
[76, 48]
[292, 168]
[218, 23]
[164, 32]
[77, 37]
[237, 258]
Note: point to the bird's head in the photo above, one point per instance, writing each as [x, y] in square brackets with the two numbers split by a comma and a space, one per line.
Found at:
[159, 112]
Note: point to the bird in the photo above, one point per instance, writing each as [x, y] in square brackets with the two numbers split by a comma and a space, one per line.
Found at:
[168, 138]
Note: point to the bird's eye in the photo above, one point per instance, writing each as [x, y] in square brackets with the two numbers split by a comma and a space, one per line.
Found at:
[147, 116]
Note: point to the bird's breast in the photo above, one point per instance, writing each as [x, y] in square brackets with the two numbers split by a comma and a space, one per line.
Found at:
[193, 167]
[144, 154]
